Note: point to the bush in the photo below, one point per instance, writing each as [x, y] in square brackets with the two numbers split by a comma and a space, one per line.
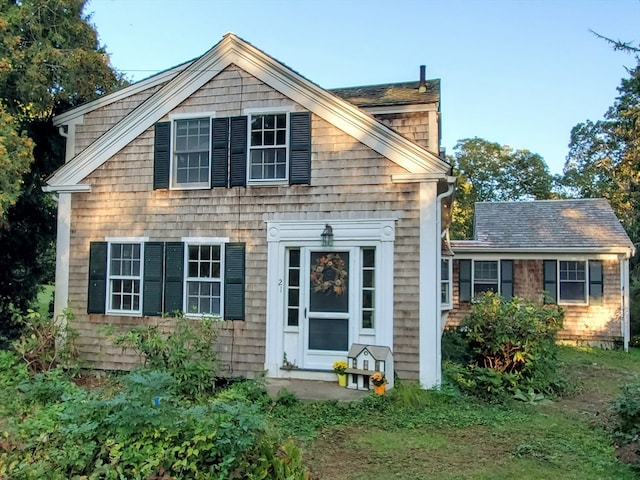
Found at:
[627, 410]
[510, 346]
[182, 346]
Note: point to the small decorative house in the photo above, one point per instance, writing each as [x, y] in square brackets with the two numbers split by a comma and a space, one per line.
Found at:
[364, 360]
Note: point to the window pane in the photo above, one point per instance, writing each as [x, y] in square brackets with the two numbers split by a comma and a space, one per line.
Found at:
[294, 278]
[572, 291]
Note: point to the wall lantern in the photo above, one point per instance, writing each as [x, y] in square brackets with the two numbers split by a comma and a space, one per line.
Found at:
[327, 236]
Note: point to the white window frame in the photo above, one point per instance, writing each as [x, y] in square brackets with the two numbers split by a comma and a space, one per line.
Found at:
[473, 275]
[253, 112]
[174, 119]
[135, 278]
[446, 285]
[585, 298]
[203, 242]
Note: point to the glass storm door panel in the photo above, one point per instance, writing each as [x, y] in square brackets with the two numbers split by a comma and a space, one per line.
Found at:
[328, 305]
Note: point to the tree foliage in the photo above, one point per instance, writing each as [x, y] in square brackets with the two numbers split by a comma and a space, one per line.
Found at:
[604, 156]
[50, 60]
[488, 171]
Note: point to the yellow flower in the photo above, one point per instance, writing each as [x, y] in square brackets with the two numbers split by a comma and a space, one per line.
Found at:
[339, 366]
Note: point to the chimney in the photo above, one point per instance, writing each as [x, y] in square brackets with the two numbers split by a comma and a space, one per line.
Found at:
[422, 86]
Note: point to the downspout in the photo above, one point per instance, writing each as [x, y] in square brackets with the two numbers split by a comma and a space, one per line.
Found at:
[451, 181]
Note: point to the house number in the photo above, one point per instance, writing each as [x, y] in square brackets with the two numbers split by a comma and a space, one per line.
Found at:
[280, 282]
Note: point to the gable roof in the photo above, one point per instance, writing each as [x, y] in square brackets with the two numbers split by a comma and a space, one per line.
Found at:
[377, 352]
[181, 83]
[587, 224]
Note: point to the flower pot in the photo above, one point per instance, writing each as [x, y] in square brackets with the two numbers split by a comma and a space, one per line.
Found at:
[342, 379]
[380, 389]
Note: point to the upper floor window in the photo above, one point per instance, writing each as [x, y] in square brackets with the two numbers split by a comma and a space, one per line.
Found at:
[125, 278]
[191, 159]
[268, 147]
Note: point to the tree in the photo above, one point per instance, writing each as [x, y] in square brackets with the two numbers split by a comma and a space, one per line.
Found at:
[50, 60]
[604, 156]
[488, 171]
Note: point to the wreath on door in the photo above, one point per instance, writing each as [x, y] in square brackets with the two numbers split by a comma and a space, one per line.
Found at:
[329, 274]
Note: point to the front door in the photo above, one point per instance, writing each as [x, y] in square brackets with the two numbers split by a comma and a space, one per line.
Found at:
[328, 317]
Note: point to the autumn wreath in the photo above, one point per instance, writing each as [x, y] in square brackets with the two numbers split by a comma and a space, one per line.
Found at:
[328, 274]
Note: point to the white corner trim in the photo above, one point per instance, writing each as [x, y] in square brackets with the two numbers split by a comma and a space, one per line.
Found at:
[63, 244]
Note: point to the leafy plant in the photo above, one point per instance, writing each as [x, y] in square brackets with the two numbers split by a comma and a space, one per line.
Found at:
[46, 342]
[511, 344]
[626, 407]
[181, 346]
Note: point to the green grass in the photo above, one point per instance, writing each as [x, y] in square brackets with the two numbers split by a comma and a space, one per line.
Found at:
[44, 298]
[413, 434]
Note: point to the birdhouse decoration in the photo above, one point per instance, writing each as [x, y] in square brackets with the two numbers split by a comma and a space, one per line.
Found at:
[363, 361]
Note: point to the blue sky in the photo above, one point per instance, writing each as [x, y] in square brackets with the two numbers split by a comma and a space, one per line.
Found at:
[518, 72]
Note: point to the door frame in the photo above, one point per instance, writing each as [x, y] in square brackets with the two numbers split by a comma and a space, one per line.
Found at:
[305, 234]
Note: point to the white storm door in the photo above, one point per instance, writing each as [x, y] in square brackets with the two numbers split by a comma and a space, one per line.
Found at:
[328, 306]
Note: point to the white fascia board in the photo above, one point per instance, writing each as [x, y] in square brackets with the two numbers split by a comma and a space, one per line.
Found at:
[350, 119]
[134, 124]
[530, 253]
[72, 115]
[231, 49]
[67, 188]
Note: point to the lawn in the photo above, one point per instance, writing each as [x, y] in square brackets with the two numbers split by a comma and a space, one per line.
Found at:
[442, 435]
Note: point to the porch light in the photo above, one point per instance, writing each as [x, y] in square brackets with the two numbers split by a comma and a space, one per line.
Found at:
[327, 236]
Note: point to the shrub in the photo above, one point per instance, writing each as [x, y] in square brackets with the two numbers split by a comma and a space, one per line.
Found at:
[45, 343]
[181, 346]
[511, 345]
[626, 407]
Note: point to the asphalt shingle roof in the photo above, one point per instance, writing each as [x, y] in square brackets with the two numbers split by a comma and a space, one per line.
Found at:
[548, 224]
[390, 94]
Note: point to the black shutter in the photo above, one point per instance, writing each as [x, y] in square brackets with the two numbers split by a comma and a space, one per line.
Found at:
[300, 148]
[596, 286]
[161, 155]
[550, 278]
[220, 152]
[238, 147]
[464, 280]
[506, 279]
[234, 274]
[97, 297]
[173, 276]
[153, 278]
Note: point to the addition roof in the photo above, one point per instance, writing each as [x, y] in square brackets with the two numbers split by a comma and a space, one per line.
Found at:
[390, 94]
[177, 84]
[587, 224]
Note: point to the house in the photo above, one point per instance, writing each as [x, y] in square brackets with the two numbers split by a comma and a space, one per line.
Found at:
[364, 360]
[307, 220]
[575, 252]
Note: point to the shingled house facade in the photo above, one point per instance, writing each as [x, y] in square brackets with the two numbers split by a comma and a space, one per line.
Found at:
[306, 220]
[574, 252]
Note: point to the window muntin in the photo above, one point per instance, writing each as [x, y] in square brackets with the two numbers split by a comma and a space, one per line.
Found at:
[204, 279]
[125, 277]
[445, 282]
[191, 145]
[268, 147]
[293, 287]
[572, 281]
[368, 287]
[485, 276]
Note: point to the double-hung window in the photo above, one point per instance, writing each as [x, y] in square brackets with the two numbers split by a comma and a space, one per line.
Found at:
[478, 276]
[125, 278]
[268, 147]
[204, 279]
[445, 283]
[573, 281]
[191, 147]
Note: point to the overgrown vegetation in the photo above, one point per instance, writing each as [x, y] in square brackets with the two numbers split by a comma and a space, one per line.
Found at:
[505, 348]
[164, 421]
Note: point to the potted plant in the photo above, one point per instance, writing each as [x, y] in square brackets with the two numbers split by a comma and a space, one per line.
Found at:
[340, 367]
[379, 383]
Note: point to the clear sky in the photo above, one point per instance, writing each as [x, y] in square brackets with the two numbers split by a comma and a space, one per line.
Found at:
[518, 72]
